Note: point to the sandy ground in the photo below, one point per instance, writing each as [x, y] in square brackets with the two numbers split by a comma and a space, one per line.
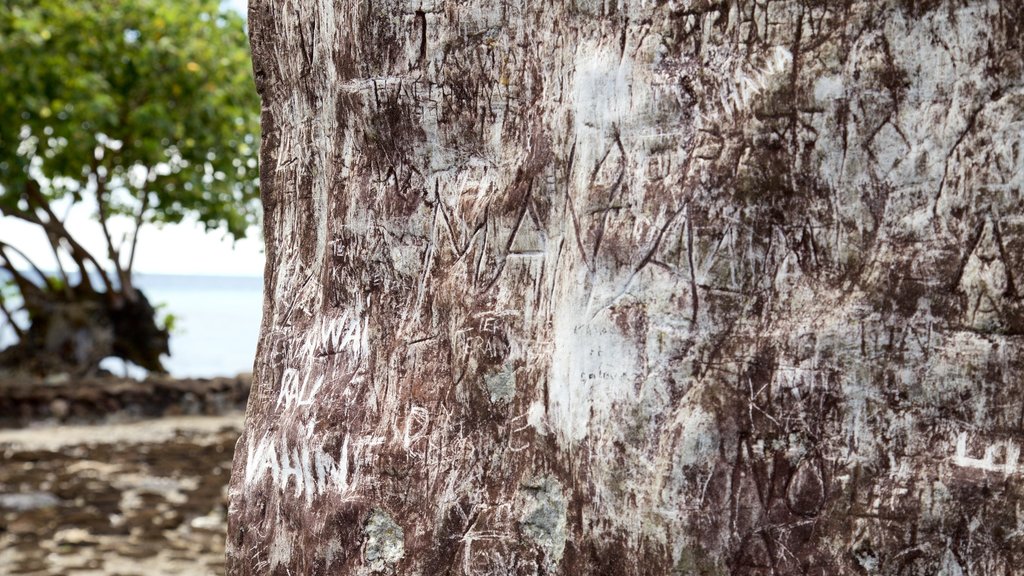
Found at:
[144, 498]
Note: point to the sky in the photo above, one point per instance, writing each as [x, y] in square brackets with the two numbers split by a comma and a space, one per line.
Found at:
[184, 249]
[172, 249]
[239, 5]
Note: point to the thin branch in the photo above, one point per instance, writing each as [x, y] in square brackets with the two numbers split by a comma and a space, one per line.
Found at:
[53, 236]
[29, 290]
[10, 320]
[10, 265]
[138, 224]
[55, 226]
[55, 247]
[101, 210]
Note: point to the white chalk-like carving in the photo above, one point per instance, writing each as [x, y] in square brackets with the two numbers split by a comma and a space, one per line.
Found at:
[748, 84]
[416, 426]
[298, 388]
[998, 457]
[347, 333]
[307, 467]
[344, 337]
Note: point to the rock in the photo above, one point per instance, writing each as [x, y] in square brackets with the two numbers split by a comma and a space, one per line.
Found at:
[26, 501]
[58, 379]
[118, 499]
[107, 399]
[212, 522]
[74, 537]
[60, 408]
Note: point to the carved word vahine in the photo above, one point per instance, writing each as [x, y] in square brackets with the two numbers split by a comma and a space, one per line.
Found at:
[309, 467]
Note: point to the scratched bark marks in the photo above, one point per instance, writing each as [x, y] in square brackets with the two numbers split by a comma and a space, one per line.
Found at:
[603, 287]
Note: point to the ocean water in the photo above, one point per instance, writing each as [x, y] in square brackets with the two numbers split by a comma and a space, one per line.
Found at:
[217, 322]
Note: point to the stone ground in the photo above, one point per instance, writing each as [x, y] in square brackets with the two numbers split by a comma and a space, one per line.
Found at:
[143, 497]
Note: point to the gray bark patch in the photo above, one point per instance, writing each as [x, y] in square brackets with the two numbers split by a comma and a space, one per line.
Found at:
[385, 541]
[543, 519]
[501, 386]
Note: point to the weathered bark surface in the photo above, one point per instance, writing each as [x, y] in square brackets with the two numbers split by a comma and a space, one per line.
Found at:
[638, 288]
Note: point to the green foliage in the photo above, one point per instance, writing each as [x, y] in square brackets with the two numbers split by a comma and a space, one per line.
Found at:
[9, 293]
[144, 109]
[166, 320]
[150, 100]
[55, 283]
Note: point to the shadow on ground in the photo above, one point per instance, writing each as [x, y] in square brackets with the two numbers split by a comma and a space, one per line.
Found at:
[143, 497]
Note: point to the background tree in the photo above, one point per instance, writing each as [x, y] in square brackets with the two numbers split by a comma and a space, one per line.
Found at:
[637, 288]
[143, 109]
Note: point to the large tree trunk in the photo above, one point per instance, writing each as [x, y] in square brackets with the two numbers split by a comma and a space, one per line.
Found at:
[635, 287]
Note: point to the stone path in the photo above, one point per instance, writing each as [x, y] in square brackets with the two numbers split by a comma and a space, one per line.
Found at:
[145, 498]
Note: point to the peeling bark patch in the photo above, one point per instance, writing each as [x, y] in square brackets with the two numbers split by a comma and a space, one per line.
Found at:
[501, 386]
[385, 541]
[544, 517]
[593, 369]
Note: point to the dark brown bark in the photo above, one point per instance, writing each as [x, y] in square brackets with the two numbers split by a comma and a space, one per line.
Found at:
[637, 288]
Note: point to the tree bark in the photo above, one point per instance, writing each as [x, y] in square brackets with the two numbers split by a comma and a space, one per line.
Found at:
[595, 287]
